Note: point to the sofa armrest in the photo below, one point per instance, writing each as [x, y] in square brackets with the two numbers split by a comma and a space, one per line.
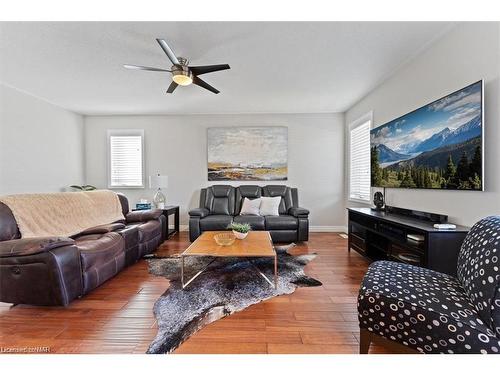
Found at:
[30, 246]
[200, 212]
[298, 211]
[143, 215]
[101, 229]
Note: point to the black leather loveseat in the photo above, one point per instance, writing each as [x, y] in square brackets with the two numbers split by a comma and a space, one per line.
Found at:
[221, 204]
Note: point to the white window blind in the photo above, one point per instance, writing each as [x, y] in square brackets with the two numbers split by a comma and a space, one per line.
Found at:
[359, 178]
[126, 158]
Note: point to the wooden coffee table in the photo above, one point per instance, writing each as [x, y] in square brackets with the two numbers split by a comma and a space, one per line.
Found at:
[256, 245]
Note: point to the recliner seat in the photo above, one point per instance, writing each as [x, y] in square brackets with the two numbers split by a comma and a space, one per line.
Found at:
[215, 222]
[102, 256]
[257, 222]
[221, 204]
[281, 222]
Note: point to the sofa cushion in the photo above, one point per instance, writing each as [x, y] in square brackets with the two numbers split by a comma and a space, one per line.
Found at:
[246, 191]
[422, 309]
[280, 191]
[256, 222]
[219, 199]
[215, 222]
[148, 230]
[143, 215]
[250, 206]
[269, 206]
[100, 229]
[281, 222]
[98, 249]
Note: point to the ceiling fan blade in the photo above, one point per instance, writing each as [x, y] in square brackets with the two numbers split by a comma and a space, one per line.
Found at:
[198, 70]
[138, 67]
[168, 51]
[172, 87]
[202, 83]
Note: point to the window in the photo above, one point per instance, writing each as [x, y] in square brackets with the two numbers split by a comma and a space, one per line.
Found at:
[359, 159]
[125, 158]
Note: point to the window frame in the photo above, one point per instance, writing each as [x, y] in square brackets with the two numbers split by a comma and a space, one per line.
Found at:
[125, 132]
[367, 117]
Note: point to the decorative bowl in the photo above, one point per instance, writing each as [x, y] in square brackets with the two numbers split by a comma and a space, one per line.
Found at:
[240, 235]
[224, 239]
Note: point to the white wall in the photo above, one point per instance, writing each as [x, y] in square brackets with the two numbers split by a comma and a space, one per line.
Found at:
[41, 145]
[468, 53]
[176, 146]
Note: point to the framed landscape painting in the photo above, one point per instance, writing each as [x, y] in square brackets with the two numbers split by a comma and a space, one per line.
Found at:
[438, 146]
[247, 153]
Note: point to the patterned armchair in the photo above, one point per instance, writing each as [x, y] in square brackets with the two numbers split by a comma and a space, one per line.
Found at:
[430, 312]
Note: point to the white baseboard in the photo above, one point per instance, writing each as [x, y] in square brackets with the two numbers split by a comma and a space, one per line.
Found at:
[328, 228]
[313, 228]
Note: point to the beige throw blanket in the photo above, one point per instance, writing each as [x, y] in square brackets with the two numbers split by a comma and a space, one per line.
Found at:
[63, 214]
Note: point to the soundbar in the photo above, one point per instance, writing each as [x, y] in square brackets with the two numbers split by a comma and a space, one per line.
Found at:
[419, 215]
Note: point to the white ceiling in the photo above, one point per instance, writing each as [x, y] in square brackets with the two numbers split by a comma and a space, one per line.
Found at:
[276, 67]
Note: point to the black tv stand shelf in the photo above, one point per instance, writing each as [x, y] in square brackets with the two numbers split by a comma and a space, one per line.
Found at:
[383, 235]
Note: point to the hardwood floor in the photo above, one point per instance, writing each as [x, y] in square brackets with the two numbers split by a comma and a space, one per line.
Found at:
[117, 317]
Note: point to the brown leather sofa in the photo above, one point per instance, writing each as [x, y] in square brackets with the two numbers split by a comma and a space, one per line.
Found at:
[56, 270]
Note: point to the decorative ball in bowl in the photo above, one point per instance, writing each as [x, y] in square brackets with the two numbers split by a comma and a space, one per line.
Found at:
[224, 239]
[240, 230]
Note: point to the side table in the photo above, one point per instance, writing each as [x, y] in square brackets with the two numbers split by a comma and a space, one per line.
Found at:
[167, 211]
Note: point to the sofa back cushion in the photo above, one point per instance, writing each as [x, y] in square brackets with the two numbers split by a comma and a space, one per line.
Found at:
[479, 269]
[251, 206]
[219, 200]
[282, 191]
[270, 206]
[246, 191]
[8, 225]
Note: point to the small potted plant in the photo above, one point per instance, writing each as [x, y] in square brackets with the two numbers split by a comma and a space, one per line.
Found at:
[83, 187]
[240, 230]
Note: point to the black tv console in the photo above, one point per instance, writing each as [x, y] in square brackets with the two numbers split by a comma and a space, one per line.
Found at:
[383, 235]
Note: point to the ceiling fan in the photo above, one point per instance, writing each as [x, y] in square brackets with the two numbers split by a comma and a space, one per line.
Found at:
[182, 73]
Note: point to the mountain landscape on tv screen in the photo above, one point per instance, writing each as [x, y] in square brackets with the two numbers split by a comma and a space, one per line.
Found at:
[438, 146]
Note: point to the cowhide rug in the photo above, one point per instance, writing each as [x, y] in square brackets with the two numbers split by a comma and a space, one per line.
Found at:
[225, 287]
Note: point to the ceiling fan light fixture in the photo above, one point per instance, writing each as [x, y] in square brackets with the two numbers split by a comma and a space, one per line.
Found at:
[182, 73]
[182, 78]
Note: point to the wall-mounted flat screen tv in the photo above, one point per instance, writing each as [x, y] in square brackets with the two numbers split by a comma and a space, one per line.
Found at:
[438, 146]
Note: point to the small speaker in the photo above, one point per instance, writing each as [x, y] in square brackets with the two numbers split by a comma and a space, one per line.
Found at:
[378, 200]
